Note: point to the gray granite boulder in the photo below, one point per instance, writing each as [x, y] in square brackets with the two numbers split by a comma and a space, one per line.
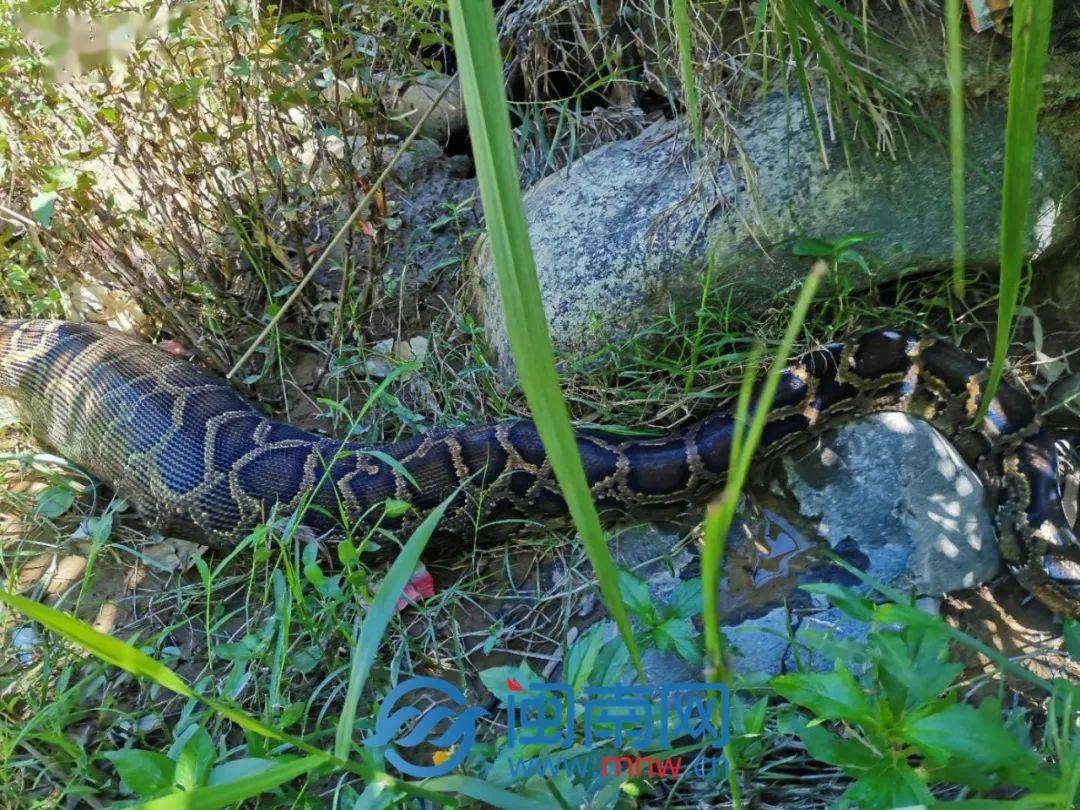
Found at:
[896, 500]
[887, 493]
[626, 228]
[897, 488]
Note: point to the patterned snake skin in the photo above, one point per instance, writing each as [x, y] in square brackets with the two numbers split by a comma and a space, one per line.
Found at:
[199, 461]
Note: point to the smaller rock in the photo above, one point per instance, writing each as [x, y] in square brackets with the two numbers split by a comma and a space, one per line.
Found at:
[891, 490]
[414, 349]
[379, 367]
[25, 639]
[408, 99]
[759, 645]
[663, 667]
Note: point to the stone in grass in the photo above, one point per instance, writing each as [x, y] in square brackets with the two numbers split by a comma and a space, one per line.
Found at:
[894, 498]
[896, 488]
[624, 231]
[891, 496]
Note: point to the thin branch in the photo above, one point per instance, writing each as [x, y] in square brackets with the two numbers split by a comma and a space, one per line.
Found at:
[344, 229]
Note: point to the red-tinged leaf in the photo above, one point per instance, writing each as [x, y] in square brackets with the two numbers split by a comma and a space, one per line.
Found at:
[421, 585]
[423, 582]
[514, 685]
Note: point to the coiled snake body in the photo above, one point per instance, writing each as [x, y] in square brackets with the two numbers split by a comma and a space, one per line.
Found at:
[198, 460]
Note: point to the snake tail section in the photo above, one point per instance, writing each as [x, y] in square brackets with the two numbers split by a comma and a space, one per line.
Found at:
[198, 460]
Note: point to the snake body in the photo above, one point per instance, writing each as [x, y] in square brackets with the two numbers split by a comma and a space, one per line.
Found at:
[199, 461]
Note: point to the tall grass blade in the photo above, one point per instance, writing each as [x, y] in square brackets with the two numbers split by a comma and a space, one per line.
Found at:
[382, 610]
[1030, 43]
[955, 70]
[480, 67]
[745, 440]
[230, 793]
[720, 514]
[681, 12]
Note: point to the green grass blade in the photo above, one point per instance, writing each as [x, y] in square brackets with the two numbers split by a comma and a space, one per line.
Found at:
[953, 19]
[681, 13]
[719, 517]
[1030, 44]
[714, 533]
[382, 610]
[108, 649]
[213, 797]
[480, 66]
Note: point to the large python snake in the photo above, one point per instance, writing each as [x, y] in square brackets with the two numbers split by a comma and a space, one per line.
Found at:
[199, 461]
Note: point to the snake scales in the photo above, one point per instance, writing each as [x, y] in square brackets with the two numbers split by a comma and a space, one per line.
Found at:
[198, 460]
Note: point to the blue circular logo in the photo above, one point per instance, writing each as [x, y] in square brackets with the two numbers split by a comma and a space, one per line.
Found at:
[460, 734]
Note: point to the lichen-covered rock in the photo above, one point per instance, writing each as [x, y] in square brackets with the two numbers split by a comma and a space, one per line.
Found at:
[626, 228]
[896, 488]
[893, 498]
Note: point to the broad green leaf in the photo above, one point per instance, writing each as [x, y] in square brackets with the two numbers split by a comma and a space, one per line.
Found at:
[54, 501]
[851, 602]
[685, 600]
[829, 695]
[42, 206]
[502, 681]
[913, 665]
[813, 247]
[635, 593]
[395, 507]
[581, 657]
[60, 177]
[611, 665]
[908, 615]
[195, 759]
[961, 732]
[849, 754]
[680, 637]
[144, 772]
[889, 784]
